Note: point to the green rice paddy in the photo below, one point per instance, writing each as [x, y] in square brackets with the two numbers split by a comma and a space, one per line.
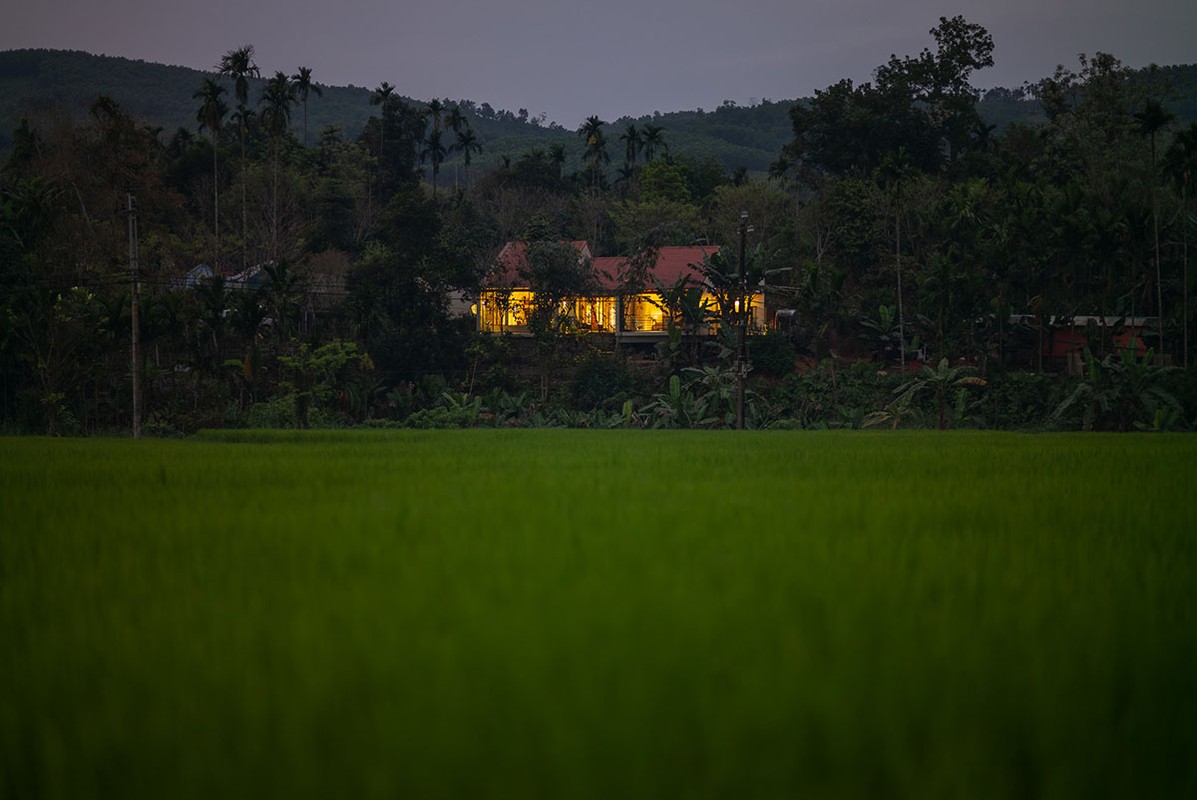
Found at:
[599, 614]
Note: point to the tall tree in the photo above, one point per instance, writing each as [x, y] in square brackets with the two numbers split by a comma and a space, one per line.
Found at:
[652, 140]
[632, 144]
[1180, 165]
[1153, 119]
[895, 172]
[940, 80]
[464, 139]
[302, 83]
[467, 144]
[923, 104]
[456, 121]
[238, 65]
[277, 98]
[436, 114]
[434, 150]
[210, 117]
[382, 97]
[591, 132]
[557, 157]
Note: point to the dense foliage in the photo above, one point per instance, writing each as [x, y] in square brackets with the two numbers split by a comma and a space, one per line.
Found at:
[297, 273]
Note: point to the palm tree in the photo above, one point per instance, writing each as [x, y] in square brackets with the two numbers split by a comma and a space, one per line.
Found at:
[467, 143]
[651, 140]
[277, 98]
[1180, 165]
[557, 157]
[596, 147]
[625, 175]
[1152, 119]
[456, 121]
[240, 67]
[283, 297]
[631, 140]
[592, 127]
[210, 117]
[382, 97]
[303, 86]
[434, 150]
[895, 171]
[436, 114]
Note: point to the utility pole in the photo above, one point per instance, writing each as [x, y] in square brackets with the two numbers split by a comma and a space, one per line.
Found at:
[136, 357]
[743, 311]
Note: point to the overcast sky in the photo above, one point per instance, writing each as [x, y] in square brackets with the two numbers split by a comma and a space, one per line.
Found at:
[573, 58]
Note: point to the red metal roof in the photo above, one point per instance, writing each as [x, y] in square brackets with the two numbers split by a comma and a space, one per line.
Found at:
[671, 264]
[513, 258]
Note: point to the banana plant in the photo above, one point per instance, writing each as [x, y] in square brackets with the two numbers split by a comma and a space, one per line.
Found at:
[1123, 391]
[679, 407]
[940, 381]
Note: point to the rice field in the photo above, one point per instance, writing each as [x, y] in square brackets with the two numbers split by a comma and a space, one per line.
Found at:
[551, 613]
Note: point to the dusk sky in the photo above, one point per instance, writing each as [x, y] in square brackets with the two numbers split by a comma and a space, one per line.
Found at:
[572, 58]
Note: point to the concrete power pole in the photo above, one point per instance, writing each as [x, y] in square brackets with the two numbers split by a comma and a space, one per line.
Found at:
[136, 357]
[743, 313]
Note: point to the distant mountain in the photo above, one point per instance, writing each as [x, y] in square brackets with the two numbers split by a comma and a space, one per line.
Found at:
[37, 83]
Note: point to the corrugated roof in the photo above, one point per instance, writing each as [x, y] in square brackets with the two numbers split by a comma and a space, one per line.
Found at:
[672, 263]
[513, 258]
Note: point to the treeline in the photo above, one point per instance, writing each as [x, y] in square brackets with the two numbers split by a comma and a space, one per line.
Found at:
[297, 276]
[39, 84]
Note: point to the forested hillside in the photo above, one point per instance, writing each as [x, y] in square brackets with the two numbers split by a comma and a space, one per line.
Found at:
[44, 82]
[37, 82]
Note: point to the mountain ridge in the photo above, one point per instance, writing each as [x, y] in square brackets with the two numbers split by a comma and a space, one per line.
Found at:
[36, 83]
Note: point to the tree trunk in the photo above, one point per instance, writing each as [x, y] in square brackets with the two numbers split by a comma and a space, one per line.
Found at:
[244, 214]
[898, 266]
[1155, 224]
[215, 208]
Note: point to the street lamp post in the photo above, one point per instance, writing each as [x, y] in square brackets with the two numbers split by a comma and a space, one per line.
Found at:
[742, 308]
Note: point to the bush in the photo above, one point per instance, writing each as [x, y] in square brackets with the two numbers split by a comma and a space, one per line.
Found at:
[601, 381]
[1021, 400]
[771, 355]
[834, 395]
[277, 412]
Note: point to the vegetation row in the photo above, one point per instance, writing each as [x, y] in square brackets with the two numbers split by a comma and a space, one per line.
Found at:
[927, 260]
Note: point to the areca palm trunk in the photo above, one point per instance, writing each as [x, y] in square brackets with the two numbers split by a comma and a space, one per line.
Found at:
[215, 206]
[898, 266]
[274, 204]
[1155, 225]
[1184, 261]
[244, 202]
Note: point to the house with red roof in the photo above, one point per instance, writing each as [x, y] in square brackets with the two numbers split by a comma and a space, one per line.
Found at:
[627, 298]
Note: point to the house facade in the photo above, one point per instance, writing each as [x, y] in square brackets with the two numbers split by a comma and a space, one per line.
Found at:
[673, 286]
[1064, 338]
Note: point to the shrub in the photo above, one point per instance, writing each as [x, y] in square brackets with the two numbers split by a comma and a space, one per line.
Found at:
[601, 381]
[772, 355]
